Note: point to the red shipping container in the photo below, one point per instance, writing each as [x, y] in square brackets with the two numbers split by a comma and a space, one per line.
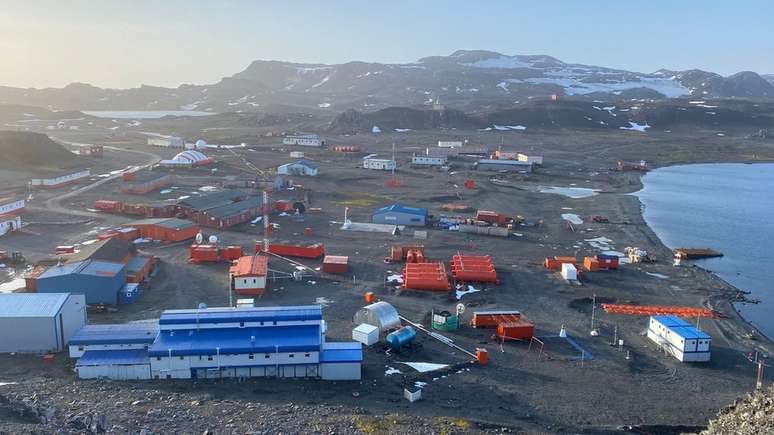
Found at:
[200, 253]
[490, 319]
[426, 276]
[59, 250]
[335, 264]
[521, 329]
[230, 253]
[608, 261]
[555, 263]
[491, 217]
[106, 205]
[312, 251]
[283, 205]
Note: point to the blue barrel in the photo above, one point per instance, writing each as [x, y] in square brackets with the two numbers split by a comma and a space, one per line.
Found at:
[401, 337]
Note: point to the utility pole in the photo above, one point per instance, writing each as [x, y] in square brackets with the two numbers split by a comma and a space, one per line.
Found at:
[593, 309]
[265, 247]
[759, 379]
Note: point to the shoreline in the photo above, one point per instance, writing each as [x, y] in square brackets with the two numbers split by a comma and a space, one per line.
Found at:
[715, 301]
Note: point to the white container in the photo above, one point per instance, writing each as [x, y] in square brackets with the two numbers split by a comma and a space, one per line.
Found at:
[366, 334]
[412, 396]
[569, 272]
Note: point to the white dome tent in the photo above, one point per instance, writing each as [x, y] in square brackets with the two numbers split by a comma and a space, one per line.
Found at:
[187, 158]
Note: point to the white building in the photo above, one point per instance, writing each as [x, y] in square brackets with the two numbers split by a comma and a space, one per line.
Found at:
[9, 223]
[172, 142]
[428, 160]
[379, 164]
[241, 342]
[530, 158]
[60, 180]
[301, 167]
[11, 206]
[307, 140]
[449, 144]
[39, 322]
[679, 338]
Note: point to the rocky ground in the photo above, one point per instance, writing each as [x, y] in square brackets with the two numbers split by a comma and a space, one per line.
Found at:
[750, 415]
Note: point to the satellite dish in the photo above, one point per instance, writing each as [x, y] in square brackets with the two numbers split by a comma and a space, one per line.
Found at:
[213, 240]
[202, 306]
[199, 238]
[460, 309]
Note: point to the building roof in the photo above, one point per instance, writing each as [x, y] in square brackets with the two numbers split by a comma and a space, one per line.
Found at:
[113, 357]
[141, 177]
[397, 208]
[302, 162]
[344, 352]
[124, 333]
[114, 250]
[251, 265]
[681, 327]
[137, 263]
[503, 162]
[31, 304]
[4, 200]
[241, 314]
[87, 267]
[295, 338]
[170, 223]
[62, 174]
[212, 200]
[234, 208]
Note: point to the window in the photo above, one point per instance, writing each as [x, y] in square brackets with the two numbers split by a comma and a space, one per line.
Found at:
[253, 280]
[158, 358]
[80, 347]
[241, 324]
[291, 355]
[267, 356]
[209, 357]
[182, 358]
[251, 356]
[306, 355]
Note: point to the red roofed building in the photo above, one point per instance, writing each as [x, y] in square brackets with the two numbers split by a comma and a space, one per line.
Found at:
[248, 275]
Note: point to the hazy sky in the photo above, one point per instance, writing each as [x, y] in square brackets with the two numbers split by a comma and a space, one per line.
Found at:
[132, 42]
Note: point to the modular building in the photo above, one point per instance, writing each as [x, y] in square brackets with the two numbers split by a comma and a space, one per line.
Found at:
[209, 201]
[379, 164]
[39, 323]
[397, 214]
[503, 165]
[166, 229]
[428, 160]
[449, 144]
[11, 207]
[60, 179]
[9, 223]
[145, 182]
[239, 342]
[229, 215]
[307, 140]
[98, 281]
[248, 275]
[300, 167]
[679, 338]
[172, 142]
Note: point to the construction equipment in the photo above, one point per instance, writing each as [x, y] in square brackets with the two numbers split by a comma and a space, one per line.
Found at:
[658, 310]
[637, 255]
[600, 219]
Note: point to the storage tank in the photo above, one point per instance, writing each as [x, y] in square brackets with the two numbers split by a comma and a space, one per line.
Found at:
[401, 337]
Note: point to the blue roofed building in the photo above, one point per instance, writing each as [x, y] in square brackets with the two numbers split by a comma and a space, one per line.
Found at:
[99, 281]
[679, 338]
[240, 342]
[397, 214]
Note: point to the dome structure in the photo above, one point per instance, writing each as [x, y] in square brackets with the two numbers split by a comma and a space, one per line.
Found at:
[187, 158]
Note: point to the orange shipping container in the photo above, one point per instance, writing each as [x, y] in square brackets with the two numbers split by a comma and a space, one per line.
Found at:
[590, 264]
[490, 319]
[555, 263]
[521, 329]
[426, 276]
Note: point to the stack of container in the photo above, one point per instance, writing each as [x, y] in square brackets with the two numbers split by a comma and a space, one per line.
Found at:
[473, 268]
[426, 276]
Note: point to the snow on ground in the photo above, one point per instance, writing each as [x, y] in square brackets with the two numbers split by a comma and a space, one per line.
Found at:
[505, 62]
[508, 127]
[579, 86]
[572, 218]
[10, 286]
[636, 127]
[376, 129]
[503, 86]
[402, 130]
[324, 105]
[423, 367]
[395, 279]
[191, 106]
[322, 82]
[570, 192]
[461, 293]
[391, 371]
[656, 275]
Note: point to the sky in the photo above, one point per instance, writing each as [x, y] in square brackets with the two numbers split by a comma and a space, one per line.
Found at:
[120, 44]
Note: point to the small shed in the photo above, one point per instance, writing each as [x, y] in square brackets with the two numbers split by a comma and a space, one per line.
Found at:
[248, 275]
[366, 334]
[337, 264]
[300, 167]
[569, 272]
[503, 165]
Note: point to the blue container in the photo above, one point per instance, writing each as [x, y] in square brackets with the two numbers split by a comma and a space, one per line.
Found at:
[401, 337]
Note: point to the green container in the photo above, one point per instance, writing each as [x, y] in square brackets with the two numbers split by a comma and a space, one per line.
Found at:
[445, 321]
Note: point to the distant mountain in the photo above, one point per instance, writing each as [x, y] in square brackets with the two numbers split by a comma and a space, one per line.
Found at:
[465, 80]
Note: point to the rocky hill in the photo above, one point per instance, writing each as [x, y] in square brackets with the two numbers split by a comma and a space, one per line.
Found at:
[751, 415]
[466, 80]
[24, 150]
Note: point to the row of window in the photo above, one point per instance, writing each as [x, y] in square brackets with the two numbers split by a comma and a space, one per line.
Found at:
[249, 356]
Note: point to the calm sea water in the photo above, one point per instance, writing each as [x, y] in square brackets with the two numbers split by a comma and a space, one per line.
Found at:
[727, 207]
[143, 114]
